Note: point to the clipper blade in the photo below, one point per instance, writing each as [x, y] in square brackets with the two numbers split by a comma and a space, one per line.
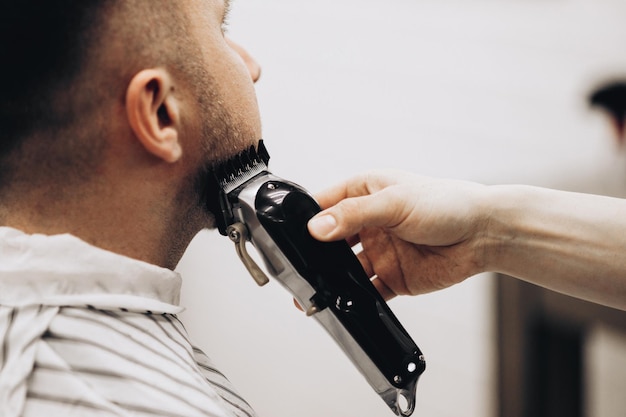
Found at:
[242, 167]
[230, 174]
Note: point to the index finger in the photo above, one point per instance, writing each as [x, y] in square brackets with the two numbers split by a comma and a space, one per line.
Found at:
[357, 186]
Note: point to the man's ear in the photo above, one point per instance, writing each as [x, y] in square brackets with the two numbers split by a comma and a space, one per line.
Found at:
[153, 113]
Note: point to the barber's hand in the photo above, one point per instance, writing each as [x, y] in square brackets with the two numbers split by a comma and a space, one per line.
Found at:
[418, 234]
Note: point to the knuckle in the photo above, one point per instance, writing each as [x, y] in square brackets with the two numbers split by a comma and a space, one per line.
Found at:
[349, 210]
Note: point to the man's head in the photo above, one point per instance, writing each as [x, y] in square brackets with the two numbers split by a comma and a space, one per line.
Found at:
[139, 94]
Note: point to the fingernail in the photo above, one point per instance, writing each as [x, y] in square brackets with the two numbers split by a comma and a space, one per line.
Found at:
[323, 225]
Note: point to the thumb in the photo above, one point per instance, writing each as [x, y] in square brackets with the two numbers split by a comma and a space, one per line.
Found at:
[323, 226]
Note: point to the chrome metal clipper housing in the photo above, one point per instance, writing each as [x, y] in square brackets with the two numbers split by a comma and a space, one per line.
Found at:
[325, 278]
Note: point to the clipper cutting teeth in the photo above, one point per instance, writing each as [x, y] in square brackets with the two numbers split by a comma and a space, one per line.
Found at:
[242, 167]
[227, 176]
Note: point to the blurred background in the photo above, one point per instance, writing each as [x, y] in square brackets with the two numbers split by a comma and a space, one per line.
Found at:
[492, 91]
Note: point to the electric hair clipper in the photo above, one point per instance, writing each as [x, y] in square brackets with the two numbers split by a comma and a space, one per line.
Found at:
[325, 278]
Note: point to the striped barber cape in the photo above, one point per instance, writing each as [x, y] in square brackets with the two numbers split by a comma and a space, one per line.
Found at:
[85, 332]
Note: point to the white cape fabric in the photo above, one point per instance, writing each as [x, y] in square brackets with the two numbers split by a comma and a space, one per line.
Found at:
[86, 332]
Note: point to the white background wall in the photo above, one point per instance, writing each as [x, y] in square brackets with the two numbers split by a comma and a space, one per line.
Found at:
[485, 90]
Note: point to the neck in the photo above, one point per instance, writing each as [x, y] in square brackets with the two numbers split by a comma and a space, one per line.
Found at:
[147, 225]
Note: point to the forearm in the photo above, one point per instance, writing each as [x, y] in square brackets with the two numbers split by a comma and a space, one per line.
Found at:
[572, 243]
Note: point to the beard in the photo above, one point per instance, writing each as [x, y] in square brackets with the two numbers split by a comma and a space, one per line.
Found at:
[223, 137]
[226, 126]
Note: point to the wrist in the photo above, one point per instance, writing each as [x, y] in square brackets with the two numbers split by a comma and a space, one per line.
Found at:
[501, 207]
[521, 219]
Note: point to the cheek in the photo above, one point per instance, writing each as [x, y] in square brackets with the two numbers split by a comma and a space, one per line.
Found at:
[226, 115]
[254, 69]
[239, 96]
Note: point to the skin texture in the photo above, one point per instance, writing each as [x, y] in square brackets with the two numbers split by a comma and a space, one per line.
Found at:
[155, 109]
[421, 234]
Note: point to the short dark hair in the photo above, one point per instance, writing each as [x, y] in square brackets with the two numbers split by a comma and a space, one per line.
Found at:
[42, 48]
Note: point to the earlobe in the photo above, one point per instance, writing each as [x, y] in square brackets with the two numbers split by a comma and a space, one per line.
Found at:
[153, 113]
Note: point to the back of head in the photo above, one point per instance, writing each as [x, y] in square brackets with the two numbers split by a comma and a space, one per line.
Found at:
[43, 49]
[63, 63]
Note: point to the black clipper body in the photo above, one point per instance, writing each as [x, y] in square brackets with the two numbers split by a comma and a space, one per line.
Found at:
[325, 278]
